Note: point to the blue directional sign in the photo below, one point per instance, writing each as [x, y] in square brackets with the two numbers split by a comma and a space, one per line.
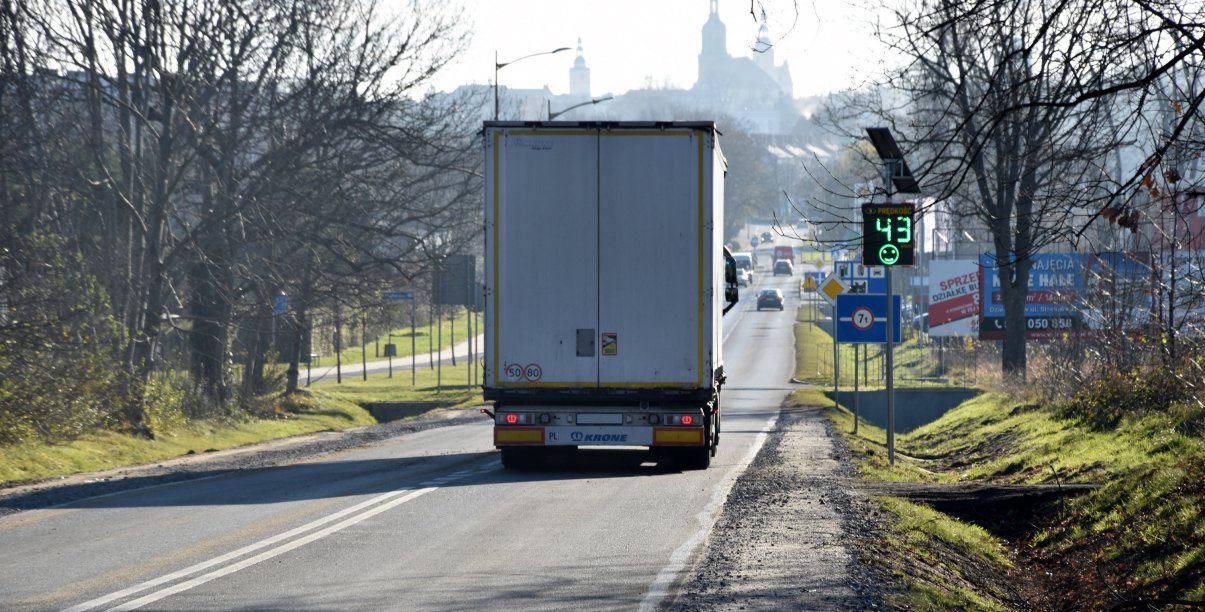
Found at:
[862, 318]
[280, 304]
[861, 278]
[398, 295]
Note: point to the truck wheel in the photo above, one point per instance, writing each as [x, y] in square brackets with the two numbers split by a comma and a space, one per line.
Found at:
[715, 437]
[521, 458]
[699, 458]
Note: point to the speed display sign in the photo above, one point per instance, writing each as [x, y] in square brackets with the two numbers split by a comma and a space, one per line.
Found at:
[887, 238]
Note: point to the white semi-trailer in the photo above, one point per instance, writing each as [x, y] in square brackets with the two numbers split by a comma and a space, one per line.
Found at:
[605, 280]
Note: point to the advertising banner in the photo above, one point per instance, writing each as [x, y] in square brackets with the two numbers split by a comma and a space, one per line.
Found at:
[1072, 293]
[953, 298]
[1056, 282]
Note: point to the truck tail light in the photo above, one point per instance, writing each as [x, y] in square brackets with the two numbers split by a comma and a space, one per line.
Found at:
[688, 419]
[512, 419]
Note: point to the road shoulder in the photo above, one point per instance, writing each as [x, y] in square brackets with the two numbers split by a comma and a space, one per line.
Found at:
[787, 538]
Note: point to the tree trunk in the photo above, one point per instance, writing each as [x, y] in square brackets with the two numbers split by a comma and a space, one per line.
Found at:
[298, 327]
[257, 352]
[209, 311]
[1014, 285]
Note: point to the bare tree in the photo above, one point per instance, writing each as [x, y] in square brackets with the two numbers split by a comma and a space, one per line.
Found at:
[992, 102]
[214, 154]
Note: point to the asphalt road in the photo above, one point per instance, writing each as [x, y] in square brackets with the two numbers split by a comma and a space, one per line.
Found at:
[428, 520]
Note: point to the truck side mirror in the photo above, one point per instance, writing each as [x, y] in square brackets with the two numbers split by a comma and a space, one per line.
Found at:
[731, 294]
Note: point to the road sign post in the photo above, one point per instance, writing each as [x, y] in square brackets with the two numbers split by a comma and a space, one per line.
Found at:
[887, 240]
[890, 379]
[830, 289]
[857, 397]
[892, 230]
[861, 318]
[402, 296]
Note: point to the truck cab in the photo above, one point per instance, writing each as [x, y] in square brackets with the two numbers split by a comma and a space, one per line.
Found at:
[786, 252]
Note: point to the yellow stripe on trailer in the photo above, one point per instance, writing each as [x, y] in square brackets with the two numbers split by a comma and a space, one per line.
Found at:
[518, 435]
[678, 436]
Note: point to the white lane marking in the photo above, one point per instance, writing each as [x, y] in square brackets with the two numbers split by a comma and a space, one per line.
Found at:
[707, 518]
[386, 501]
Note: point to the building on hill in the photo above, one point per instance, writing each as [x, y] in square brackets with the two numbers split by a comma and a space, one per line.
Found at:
[755, 91]
[579, 75]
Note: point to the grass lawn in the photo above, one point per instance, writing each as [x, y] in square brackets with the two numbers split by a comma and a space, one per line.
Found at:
[324, 406]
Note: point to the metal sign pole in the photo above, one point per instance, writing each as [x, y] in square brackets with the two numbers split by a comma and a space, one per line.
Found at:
[895, 173]
[857, 397]
[439, 349]
[890, 374]
[836, 363]
[413, 349]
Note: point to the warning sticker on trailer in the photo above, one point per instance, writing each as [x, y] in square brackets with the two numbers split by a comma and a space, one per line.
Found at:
[610, 344]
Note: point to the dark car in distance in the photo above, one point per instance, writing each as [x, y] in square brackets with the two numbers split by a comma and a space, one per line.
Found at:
[769, 298]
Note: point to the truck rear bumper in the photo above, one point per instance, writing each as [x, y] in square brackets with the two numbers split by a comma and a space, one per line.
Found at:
[507, 435]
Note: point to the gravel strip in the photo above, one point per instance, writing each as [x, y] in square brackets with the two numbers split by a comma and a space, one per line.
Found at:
[788, 535]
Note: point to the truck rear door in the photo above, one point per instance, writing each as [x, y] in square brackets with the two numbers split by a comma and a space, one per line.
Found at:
[651, 306]
[544, 302]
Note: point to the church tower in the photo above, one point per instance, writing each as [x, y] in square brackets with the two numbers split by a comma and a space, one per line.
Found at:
[715, 44]
[763, 51]
[579, 75]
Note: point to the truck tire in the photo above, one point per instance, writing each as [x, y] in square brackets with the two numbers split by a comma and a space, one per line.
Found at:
[699, 458]
[521, 458]
[715, 437]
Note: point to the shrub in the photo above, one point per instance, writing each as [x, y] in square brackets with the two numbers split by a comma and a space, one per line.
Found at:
[57, 374]
[1110, 397]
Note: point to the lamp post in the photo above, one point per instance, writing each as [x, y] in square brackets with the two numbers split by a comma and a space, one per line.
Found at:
[552, 115]
[500, 65]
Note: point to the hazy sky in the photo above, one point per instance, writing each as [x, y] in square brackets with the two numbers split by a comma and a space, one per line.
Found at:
[628, 43]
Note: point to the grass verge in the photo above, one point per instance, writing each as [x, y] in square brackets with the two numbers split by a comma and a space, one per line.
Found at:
[1138, 540]
[449, 386]
[323, 407]
[426, 339]
[814, 359]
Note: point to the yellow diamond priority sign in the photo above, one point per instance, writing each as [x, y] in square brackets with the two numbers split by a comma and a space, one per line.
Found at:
[832, 287]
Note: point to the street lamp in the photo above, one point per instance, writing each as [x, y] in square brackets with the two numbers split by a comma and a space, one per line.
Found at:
[500, 65]
[552, 115]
